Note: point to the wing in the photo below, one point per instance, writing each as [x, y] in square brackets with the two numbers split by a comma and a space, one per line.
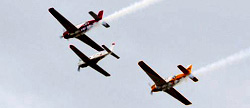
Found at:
[80, 54]
[152, 74]
[178, 96]
[65, 23]
[99, 69]
[84, 38]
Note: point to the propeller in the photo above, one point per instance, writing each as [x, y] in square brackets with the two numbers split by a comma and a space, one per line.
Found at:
[151, 92]
[60, 37]
[63, 30]
[149, 85]
[78, 69]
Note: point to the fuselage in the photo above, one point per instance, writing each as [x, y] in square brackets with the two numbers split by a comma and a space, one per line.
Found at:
[82, 29]
[94, 58]
[170, 82]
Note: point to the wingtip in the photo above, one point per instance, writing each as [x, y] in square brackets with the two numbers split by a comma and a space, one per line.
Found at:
[71, 46]
[51, 9]
[140, 62]
[179, 65]
[108, 75]
[191, 65]
[103, 46]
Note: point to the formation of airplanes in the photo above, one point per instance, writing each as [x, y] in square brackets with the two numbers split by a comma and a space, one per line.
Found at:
[78, 32]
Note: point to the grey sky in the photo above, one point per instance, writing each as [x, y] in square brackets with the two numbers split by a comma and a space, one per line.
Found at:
[38, 70]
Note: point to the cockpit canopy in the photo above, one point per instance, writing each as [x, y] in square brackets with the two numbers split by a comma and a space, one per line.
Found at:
[170, 78]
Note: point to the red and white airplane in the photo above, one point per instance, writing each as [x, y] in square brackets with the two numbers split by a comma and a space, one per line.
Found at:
[80, 30]
[94, 59]
[168, 84]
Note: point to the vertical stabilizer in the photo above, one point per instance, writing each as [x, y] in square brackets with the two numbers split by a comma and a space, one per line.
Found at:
[191, 76]
[189, 69]
[112, 47]
[100, 14]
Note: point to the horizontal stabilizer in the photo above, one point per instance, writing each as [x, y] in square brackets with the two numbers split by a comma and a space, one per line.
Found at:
[193, 78]
[183, 69]
[94, 16]
[109, 51]
[187, 71]
[105, 24]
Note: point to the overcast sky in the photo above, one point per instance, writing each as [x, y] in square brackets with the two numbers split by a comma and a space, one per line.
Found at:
[38, 69]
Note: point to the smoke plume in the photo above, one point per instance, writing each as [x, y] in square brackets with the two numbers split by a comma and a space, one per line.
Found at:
[230, 60]
[132, 8]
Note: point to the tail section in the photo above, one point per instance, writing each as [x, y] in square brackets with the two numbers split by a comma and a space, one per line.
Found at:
[111, 50]
[188, 71]
[105, 24]
[99, 17]
[100, 14]
[193, 78]
[112, 47]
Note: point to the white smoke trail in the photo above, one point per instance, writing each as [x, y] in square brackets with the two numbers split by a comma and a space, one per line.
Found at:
[224, 62]
[132, 8]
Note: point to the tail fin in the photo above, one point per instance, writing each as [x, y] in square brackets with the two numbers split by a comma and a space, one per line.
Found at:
[188, 72]
[112, 47]
[111, 50]
[96, 17]
[190, 68]
[191, 76]
[100, 14]
[99, 17]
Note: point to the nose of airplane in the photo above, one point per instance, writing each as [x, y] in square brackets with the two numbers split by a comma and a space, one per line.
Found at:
[66, 35]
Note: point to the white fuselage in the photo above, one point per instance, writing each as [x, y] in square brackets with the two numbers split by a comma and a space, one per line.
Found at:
[98, 56]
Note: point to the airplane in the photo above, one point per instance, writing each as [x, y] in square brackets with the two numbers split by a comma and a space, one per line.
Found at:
[94, 59]
[80, 30]
[168, 84]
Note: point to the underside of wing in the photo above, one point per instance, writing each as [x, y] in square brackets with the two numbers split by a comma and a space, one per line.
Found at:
[66, 24]
[99, 69]
[152, 74]
[90, 42]
[80, 54]
[178, 96]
